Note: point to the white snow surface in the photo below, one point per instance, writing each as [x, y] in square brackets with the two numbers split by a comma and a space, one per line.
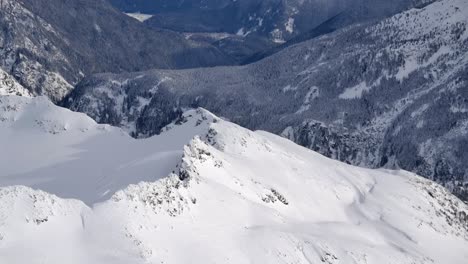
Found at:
[139, 16]
[354, 92]
[204, 191]
[68, 154]
[289, 25]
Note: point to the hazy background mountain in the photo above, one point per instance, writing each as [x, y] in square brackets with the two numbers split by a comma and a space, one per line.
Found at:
[389, 94]
[277, 21]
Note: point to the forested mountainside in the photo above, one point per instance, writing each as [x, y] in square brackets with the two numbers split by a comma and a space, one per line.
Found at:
[48, 46]
[277, 20]
[389, 94]
[249, 30]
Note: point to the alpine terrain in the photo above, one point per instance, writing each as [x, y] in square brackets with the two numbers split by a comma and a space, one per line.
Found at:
[387, 94]
[205, 191]
[234, 131]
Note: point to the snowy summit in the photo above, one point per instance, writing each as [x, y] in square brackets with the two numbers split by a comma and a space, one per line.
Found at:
[205, 191]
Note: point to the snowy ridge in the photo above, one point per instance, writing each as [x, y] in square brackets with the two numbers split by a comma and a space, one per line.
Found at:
[40, 113]
[229, 195]
[74, 157]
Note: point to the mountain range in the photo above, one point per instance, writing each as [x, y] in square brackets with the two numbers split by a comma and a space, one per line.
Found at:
[277, 20]
[386, 94]
[49, 46]
[233, 131]
[249, 30]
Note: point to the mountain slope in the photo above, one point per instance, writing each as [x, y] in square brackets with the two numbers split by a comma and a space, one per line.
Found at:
[259, 197]
[9, 86]
[349, 95]
[277, 20]
[74, 157]
[360, 12]
[48, 46]
[255, 29]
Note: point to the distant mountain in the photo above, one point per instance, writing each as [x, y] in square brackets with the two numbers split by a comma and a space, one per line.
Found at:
[255, 29]
[277, 20]
[388, 94]
[205, 191]
[48, 46]
[343, 19]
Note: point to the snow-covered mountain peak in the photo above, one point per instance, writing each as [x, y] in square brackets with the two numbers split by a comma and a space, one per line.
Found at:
[216, 192]
[98, 159]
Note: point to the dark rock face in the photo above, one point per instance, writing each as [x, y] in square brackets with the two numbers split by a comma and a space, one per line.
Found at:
[50, 45]
[390, 94]
[335, 142]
